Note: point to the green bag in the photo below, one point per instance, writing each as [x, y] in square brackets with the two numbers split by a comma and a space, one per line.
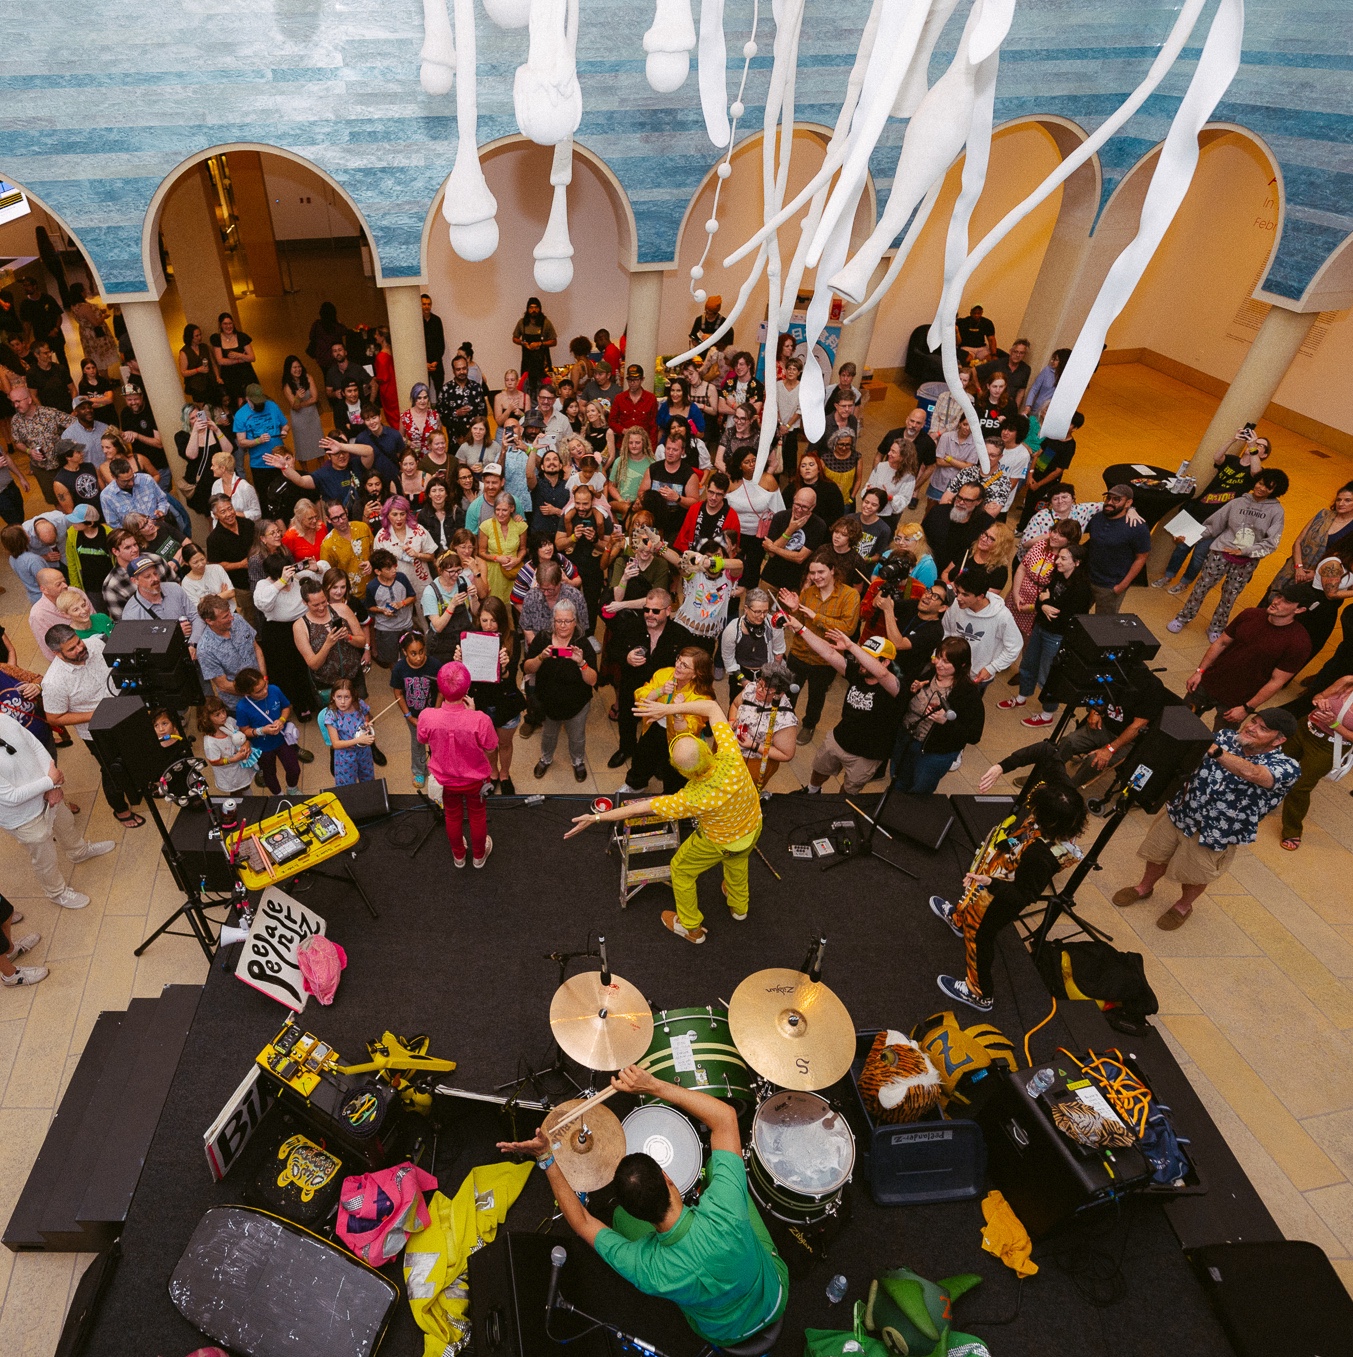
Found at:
[838, 1343]
[914, 1315]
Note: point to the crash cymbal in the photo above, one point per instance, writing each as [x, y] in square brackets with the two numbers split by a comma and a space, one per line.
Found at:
[790, 1030]
[591, 1148]
[601, 1028]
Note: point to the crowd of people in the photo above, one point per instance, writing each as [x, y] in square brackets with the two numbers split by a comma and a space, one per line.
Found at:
[618, 545]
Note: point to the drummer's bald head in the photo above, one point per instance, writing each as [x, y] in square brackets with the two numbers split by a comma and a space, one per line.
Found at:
[690, 756]
[643, 1189]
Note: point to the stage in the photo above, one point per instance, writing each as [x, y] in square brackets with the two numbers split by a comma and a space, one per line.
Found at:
[462, 956]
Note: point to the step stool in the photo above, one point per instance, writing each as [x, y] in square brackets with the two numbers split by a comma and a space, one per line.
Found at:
[648, 834]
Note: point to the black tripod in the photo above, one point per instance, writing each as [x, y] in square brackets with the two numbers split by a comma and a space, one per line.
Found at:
[865, 848]
[1063, 903]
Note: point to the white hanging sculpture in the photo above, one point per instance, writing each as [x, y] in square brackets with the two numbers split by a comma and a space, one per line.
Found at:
[889, 78]
[668, 44]
[468, 207]
[554, 255]
[438, 52]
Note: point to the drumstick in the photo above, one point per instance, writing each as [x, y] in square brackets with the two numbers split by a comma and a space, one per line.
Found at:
[372, 720]
[582, 1109]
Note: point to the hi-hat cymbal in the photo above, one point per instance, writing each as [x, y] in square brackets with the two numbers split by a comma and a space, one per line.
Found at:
[601, 1028]
[790, 1030]
[591, 1148]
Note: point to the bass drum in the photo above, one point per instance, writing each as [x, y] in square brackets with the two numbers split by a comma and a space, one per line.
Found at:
[801, 1157]
[692, 1047]
[668, 1138]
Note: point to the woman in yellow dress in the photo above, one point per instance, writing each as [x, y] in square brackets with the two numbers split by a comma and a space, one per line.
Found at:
[502, 546]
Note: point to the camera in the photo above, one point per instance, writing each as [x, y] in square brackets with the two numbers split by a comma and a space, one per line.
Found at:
[894, 574]
[337, 624]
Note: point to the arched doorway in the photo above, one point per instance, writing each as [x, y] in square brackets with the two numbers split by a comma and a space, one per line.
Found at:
[482, 302]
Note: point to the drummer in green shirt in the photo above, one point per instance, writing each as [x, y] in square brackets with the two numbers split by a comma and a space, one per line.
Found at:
[716, 1260]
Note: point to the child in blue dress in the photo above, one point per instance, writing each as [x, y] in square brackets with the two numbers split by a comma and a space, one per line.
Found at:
[346, 721]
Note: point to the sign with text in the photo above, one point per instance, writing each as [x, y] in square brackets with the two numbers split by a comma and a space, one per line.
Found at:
[268, 960]
[235, 1123]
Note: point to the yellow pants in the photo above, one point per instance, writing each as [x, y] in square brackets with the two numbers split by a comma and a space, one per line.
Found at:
[696, 856]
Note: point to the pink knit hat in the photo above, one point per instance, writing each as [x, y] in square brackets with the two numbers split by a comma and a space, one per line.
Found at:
[454, 681]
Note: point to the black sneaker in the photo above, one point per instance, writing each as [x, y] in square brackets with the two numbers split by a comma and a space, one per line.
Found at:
[580, 772]
[942, 909]
[540, 769]
[958, 991]
[377, 757]
[505, 788]
[618, 760]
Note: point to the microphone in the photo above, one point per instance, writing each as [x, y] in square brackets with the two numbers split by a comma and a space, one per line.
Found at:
[558, 1257]
[605, 965]
[815, 968]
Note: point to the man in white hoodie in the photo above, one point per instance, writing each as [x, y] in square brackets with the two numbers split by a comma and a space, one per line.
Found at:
[979, 615]
[32, 809]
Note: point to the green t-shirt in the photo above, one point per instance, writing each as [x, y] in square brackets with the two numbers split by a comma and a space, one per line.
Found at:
[100, 624]
[717, 1262]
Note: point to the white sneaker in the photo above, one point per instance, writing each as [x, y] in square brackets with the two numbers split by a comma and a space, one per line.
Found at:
[22, 945]
[93, 850]
[957, 763]
[71, 899]
[1162, 583]
[16, 917]
[488, 848]
[25, 975]
[1177, 589]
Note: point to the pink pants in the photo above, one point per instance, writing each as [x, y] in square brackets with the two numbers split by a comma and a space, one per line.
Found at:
[454, 798]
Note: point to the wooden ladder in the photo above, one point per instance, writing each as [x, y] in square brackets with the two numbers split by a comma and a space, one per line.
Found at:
[649, 834]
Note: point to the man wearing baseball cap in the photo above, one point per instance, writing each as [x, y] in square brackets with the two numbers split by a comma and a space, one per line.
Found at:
[259, 427]
[635, 406]
[1116, 549]
[160, 600]
[1243, 776]
[85, 430]
[491, 486]
[870, 710]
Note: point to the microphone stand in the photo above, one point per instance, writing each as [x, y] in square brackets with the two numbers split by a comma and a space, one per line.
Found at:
[556, 1066]
[626, 1340]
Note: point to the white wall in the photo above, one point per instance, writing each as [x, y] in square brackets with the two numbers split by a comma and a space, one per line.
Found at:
[740, 215]
[304, 206]
[1021, 157]
[482, 302]
[1213, 255]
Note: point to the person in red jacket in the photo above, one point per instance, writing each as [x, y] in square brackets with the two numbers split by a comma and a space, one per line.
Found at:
[709, 519]
[635, 406]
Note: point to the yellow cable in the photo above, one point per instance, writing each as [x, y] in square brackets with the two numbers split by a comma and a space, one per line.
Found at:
[1028, 1059]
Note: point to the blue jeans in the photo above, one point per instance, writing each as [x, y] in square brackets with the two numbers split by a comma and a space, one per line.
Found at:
[1039, 652]
[915, 771]
[1182, 550]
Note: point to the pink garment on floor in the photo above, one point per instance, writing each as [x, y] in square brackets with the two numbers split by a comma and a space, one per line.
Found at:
[321, 963]
[377, 1212]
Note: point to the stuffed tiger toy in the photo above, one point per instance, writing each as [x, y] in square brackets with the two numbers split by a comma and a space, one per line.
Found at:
[959, 1053]
[898, 1082]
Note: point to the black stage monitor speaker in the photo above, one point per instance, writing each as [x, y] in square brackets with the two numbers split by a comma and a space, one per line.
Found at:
[926, 820]
[1098, 637]
[203, 858]
[1280, 1296]
[364, 801]
[124, 737]
[979, 815]
[154, 656]
[1164, 756]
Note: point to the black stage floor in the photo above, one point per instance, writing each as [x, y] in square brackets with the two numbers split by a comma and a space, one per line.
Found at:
[462, 956]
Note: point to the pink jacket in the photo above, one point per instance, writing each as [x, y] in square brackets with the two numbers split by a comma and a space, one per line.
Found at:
[458, 742]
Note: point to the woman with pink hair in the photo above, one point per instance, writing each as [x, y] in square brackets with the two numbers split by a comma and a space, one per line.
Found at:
[459, 741]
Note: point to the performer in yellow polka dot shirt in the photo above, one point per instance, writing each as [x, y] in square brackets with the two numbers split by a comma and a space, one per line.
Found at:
[721, 797]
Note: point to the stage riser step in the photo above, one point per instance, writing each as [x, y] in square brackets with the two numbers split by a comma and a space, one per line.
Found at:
[77, 1196]
[22, 1232]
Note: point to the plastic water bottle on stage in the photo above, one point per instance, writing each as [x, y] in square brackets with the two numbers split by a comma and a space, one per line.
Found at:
[836, 1289]
[1040, 1083]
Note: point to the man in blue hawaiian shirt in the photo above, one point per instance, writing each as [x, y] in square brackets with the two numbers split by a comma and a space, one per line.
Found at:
[1244, 775]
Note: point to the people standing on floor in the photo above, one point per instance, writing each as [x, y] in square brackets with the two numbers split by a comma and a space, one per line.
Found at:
[533, 335]
[1256, 656]
[791, 539]
[225, 748]
[262, 713]
[560, 663]
[33, 810]
[302, 397]
[1116, 549]
[330, 639]
[1324, 534]
[944, 714]
[402, 538]
[229, 544]
[200, 578]
[452, 599]
[346, 724]
[1323, 745]
[235, 488]
[460, 740]
[500, 700]
[1051, 463]
[228, 644]
[259, 427]
[233, 352]
[645, 649]
[462, 400]
[36, 429]
[635, 407]
[979, 615]
[278, 603]
[1062, 594]
[44, 612]
[419, 422]
[195, 355]
[434, 343]
[1245, 774]
[414, 680]
[826, 602]
[391, 600]
[1242, 532]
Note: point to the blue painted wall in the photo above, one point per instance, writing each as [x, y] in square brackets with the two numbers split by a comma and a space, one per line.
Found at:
[100, 101]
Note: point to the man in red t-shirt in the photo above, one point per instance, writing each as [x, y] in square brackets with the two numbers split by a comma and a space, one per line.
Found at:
[1257, 656]
[635, 406]
[708, 520]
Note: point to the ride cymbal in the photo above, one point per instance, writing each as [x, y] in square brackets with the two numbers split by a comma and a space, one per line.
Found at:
[601, 1028]
[790, 1030]
[591, 1148]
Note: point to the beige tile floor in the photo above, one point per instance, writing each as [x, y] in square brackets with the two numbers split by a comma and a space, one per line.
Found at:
[1256, 993]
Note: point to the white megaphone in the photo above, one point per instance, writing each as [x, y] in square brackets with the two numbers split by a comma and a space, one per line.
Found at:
[230, 935]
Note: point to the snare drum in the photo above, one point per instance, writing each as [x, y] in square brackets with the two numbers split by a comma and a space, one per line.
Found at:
[692, 1047]
[801, 1157]
[666, 1136]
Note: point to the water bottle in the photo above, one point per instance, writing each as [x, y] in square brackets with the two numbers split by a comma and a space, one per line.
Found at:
[836, 1289]
[1040, 1083]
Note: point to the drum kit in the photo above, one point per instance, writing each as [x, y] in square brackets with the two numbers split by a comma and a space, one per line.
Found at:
[783, 1036]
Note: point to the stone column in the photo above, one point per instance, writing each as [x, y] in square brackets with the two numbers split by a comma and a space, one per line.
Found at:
[159, 367]
[1275, 346]
[642, 319]
[404, 311]
[254, 209]
[192, 237]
